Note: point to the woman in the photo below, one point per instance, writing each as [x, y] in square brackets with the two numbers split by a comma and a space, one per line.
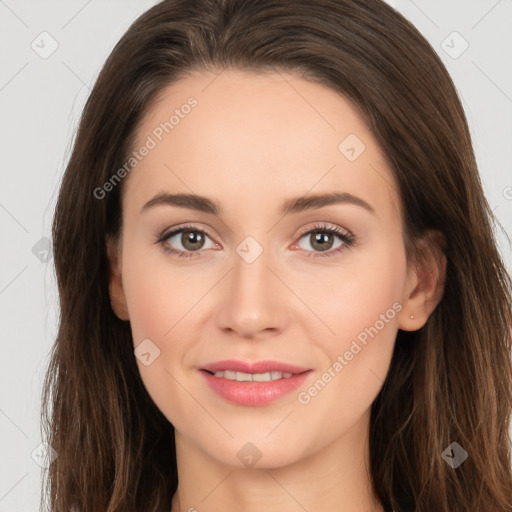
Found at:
[279, 284]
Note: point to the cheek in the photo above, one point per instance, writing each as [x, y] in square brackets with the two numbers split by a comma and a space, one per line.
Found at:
[363, 290]
[159, 294]
[158, 308]
[162, 301]
[360, 307]
[150, 316]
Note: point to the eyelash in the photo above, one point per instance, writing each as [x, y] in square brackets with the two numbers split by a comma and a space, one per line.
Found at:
[348, 240]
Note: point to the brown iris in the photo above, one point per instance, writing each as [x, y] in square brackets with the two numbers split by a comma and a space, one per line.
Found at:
[193, 238]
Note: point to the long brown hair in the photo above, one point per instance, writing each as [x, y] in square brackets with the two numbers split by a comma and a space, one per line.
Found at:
[448, 382]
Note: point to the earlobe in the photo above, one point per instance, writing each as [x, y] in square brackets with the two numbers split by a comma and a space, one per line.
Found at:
[115, 285]
[425, 282]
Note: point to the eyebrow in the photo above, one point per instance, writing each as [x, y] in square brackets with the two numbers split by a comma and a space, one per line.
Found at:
[293, 205]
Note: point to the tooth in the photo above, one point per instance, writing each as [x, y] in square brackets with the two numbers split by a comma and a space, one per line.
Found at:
[252, 377]
[261, 377]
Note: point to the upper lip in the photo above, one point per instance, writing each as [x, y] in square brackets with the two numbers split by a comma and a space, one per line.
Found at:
[254, 367]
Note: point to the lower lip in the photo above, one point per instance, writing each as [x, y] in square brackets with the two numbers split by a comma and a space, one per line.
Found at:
[254, 393]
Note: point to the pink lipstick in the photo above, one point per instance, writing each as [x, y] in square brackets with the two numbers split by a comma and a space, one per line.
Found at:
[253, 384]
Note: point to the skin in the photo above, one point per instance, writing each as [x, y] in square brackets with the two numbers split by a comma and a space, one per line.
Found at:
[253, 141]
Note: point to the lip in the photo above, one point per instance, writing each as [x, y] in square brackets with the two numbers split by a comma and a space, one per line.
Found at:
[236, 365]
[254, 394]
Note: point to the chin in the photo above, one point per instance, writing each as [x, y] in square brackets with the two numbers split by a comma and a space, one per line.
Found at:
[256, 452]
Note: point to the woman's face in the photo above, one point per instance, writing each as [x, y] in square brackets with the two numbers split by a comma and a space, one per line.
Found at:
[254, 282]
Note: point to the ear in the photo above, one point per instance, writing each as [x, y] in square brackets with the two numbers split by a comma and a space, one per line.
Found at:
[115, 285]
[425, 281]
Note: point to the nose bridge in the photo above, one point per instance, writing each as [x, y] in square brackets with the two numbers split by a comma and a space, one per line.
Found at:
[253, 297]
[251, 275]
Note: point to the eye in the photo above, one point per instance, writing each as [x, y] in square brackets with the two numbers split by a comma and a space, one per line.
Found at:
[190, 238]
[320, 239]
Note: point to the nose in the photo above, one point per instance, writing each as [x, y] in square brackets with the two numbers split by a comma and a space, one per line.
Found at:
[253, 299]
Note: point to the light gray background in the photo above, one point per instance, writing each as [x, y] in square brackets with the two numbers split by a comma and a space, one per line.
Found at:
[40, 102]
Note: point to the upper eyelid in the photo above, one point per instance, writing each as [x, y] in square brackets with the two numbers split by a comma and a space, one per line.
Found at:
[326, 226]
[175, 231]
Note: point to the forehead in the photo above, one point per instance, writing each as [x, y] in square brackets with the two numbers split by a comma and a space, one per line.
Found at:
[263, 136]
